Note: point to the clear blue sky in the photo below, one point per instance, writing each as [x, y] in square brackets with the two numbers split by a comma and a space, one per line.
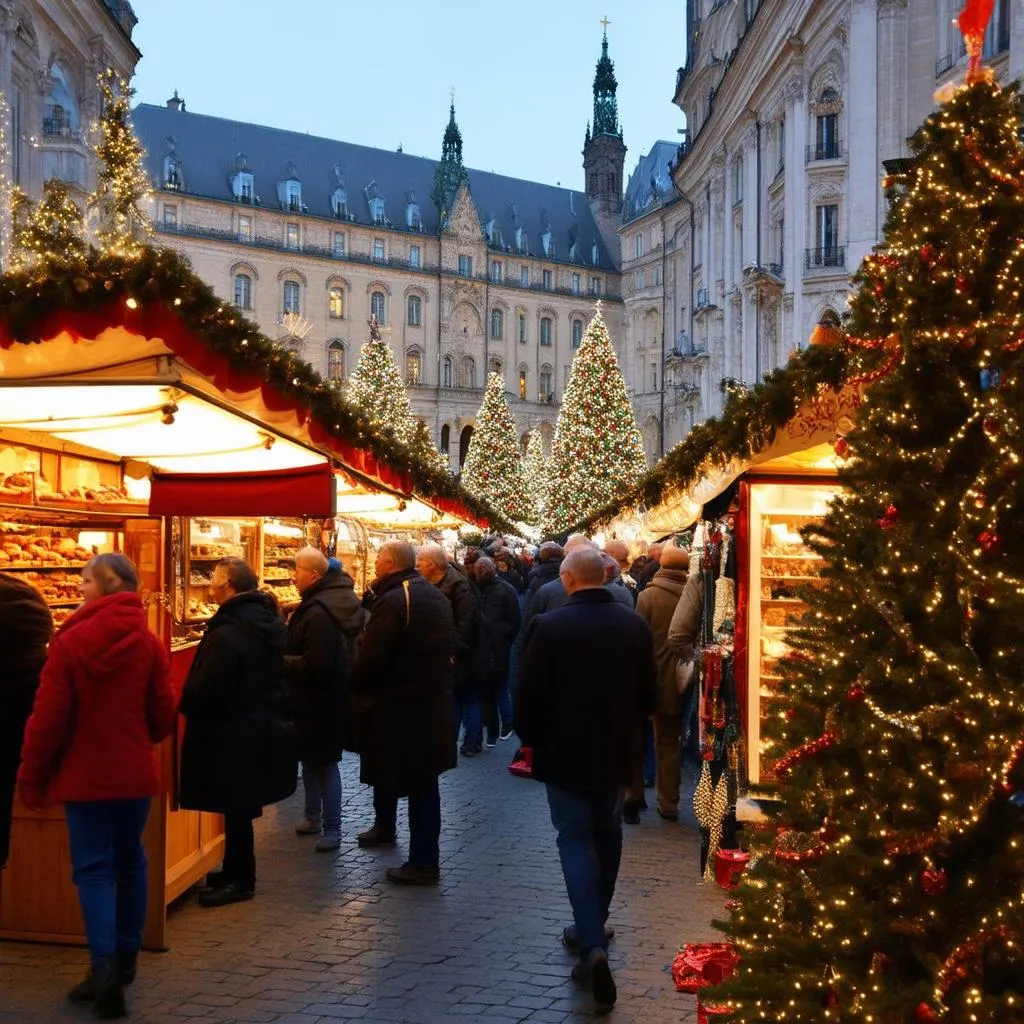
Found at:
[379, 73]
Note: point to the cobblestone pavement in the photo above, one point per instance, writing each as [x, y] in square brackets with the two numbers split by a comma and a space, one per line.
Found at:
[327, 939]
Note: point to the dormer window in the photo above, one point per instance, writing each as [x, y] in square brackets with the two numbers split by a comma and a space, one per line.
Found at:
[339, 203]
[520, 240]
[377, 210]
[547, 243]
[172, 173]
[595, 254]
[292, 197]
[413, 221]
[242, 187]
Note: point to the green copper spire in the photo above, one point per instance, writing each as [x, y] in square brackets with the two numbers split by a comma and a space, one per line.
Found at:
[450, 173]
[606, 114]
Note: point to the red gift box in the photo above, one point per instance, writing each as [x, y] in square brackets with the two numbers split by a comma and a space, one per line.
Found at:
[729, 866]
[522, 764]
[704, 1012]
[699, 964]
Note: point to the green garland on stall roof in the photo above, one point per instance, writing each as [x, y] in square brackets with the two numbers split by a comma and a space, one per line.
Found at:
[28, 298]
[746, 426]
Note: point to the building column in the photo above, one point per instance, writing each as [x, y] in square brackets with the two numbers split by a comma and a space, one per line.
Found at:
[796, 198]
[866, 120]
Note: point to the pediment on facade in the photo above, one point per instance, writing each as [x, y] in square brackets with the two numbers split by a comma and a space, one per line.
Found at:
[464, 221]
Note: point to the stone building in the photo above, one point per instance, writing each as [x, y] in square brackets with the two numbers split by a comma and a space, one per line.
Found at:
[469, 271]
[51, 54]
[793, 110]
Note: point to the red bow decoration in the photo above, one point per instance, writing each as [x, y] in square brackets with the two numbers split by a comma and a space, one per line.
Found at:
[973, 22]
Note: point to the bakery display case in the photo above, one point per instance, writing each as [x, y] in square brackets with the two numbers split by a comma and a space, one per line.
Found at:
[197, 546]
[781, 571]
[49, 553]
[282, 539]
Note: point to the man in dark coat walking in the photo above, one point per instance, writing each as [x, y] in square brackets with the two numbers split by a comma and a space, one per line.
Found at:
[587, 679]
[228, 703]
[25, 629]
[316, 673]
[501, 618]
[403, 677]
[472, 655]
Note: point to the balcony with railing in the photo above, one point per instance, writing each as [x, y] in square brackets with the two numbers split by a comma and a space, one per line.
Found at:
[828, 150]
[825, 258]
[60, 127]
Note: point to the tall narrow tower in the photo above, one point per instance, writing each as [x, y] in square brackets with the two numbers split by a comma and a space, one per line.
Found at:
[450, 172]
[604, 152]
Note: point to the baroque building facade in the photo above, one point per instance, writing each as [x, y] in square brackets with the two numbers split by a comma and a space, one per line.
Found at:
[469, 272]
[745, 239]
[51, 55]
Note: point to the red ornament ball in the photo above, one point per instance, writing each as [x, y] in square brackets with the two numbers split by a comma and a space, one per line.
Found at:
[841, 447]
[890, 519]
[924, 1014]
[990, 542]
[963, 283]
[934, 881]
[991, 426]
[927, 252]
[856, 694]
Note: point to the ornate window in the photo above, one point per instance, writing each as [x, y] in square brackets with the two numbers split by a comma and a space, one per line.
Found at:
[378, 307]
[336, 360]
[522, 382]
[522, 327]
[577, 333]
[415, 311]
[243, 291]
[497, 324]
[291, 297]
[545, 331]
[413, 366]
[467, 372]
[336, 303]
[447, 372]
[544, 385]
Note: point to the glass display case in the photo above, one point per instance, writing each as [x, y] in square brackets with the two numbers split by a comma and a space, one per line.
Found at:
[282, 539]
[49, 552]
[782, 569]
[196, 547]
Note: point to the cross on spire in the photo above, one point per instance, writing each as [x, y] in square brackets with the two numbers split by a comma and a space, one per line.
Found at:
[604, 21]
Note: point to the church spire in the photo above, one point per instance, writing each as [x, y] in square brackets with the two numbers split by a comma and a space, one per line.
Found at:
[450, 172]
[606, 114]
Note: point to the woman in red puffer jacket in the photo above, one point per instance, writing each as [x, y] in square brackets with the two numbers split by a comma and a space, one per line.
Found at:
[104, 700]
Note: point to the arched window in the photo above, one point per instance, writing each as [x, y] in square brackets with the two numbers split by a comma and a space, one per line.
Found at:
[413, 366]
[336, 304]
[243, 291]
[467, 370]
[291, 297]
[447, 372]
[522, 382]
[415, 311]
[446, 438]
[60, 114]
[464, 439]
[336, 361]
[377, 307]
[544, 384]
[545, 330]
[497, 324]
[577, 333]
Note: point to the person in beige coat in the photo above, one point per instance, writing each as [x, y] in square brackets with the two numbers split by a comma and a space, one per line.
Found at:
[657, 603]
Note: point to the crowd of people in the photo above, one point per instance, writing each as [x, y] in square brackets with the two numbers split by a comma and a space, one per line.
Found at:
[571, 648]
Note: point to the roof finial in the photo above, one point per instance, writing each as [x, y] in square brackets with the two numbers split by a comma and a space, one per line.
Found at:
[604, 21]
[451, 93]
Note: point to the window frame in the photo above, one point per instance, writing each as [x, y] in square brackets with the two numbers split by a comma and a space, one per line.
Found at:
[383, 304]
[294, 288]
[240, 276]
[497, 324]
[334, 349]
[414, 311]
[547, 332]
[336, 302]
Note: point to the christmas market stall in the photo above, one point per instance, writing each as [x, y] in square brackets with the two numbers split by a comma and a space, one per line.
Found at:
[121, 430]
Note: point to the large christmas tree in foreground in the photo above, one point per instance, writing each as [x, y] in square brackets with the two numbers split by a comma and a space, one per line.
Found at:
[890, 885]
[597, 452]
[494, 463]
[376, 387]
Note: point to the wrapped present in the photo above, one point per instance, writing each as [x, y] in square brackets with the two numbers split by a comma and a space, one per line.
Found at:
[522, 763]
[699, 964]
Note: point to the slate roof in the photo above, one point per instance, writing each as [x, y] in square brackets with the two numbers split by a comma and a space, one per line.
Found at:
[650, 184]
[207, 148]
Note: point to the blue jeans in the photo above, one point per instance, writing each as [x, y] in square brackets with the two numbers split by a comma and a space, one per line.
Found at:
[649, 765]
[321, 784]
[467, 710]
[589, 827]
[109, 868]
[424, 823]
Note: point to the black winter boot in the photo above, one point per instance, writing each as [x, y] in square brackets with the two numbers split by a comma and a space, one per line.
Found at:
[127, 965]
[103, 989]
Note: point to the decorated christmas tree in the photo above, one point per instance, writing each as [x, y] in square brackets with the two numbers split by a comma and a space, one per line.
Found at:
[494, 463]
[535, 470]
[376, 387]
[597, 452]
[889, 886]
[49, 233]
[121, 182]
[423, 448]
